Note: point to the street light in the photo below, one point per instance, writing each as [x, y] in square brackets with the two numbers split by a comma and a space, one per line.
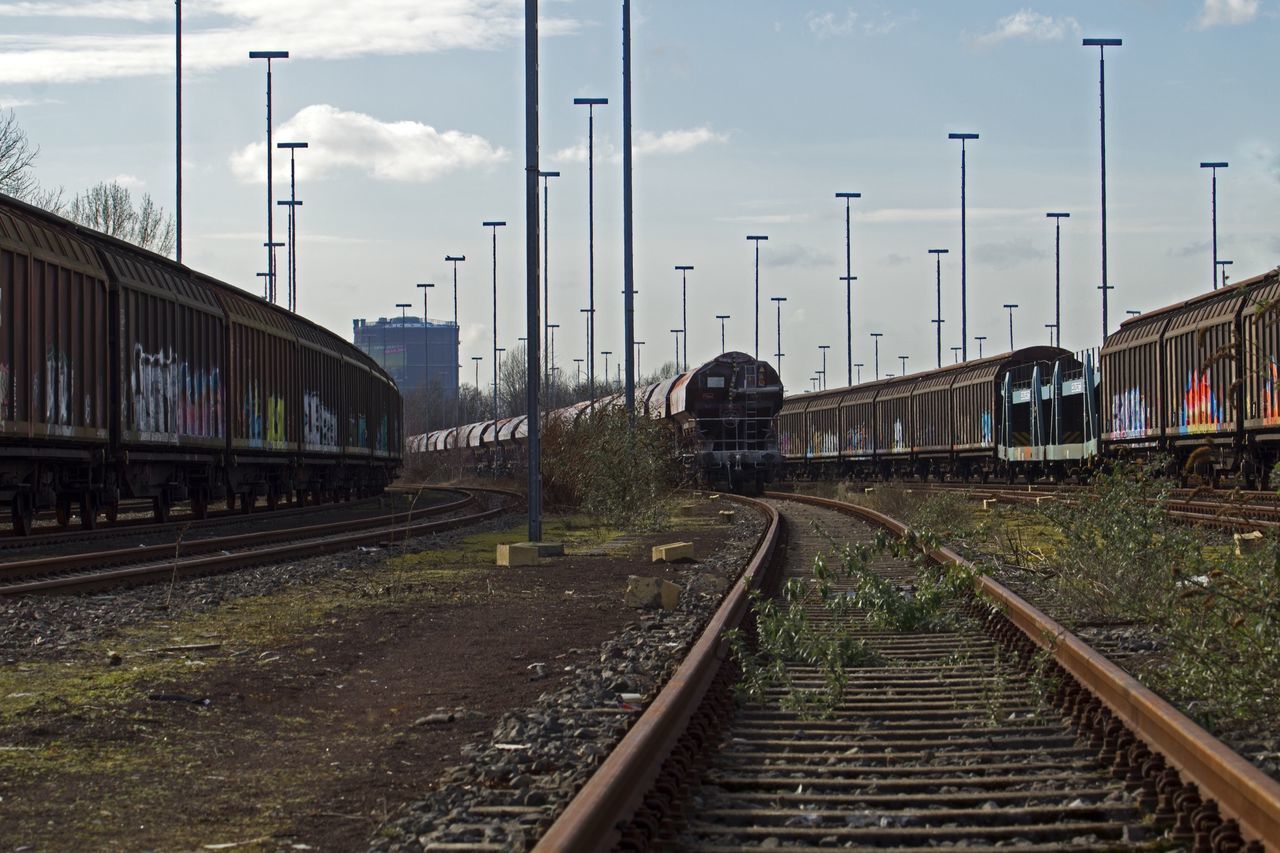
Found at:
[938, 253]
[979, 339]
[876, 336]
[859, 365]
[955, 355]
[1011, 306]
[684, 312]
[638, 344]
[606, 354]
[722, 318]
[1213, 196]
[904, 365]
[1057, 272]
[756, 238]
[426, 352]
[551, 348]
[292, 204]
[778, 300]
[494, 225]
[477, 359]
[177, 124]
[577, 380]
[1050, 327]
[404, 355]
[457, 334]
[964, 271]
[848, 278]
[824, 348]
[269, 55]
[1102, 45]
[676, 367]
[1132, 313]
[1223, 265]
[546, 263]
[591, 104]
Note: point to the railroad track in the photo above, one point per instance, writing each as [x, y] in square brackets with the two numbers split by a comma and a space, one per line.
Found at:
[945, 739]
[122, 566]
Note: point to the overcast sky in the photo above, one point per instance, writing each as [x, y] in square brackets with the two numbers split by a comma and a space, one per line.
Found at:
[749, 116]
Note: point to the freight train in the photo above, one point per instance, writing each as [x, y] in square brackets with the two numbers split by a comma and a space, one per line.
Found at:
[1195, 384]
[126, 375]
[723, 413]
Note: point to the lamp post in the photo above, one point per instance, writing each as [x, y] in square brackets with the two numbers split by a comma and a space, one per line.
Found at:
[778, 300]
[266, 283]
[546, 263]
[684, 312]
[676, 367]
[177, 124]
[494, 225]
[1132, 313]
[551, 349]
[638, 344]
[955, 355]
[292, 204]
[722, 318]
[980, 339]
[938, 253]
[404, 354]
[591, 104]
[859, 365]
[1223, 265]
[1213, 212]
[477, 359]
[756, 238]
[876, 336]
[1057, 272]
[269, 55]
[964, 269]
[606, 354]
[904, 365]
[577, 380]
[271, 268]
[1050, 327]
[824, 348]
[426, 352]
[1102, 45]
[848, 278]
[1011, 306]
[457, 332]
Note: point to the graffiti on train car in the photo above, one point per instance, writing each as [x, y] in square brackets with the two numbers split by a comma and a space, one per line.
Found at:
[899, 437]
[5, 413]
[1269, 405]
[170, 397]
[859, 439]
[384, 442]
[1201, 410]
[988, 433]
[824, 444]
[58, 378]
[1128, 414]
[319, 423]
[264, 423]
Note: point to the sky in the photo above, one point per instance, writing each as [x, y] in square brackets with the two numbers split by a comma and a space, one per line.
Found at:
[748, 117]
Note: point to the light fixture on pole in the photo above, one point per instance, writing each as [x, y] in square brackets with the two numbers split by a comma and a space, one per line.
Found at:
[1132, 313]
[938, 253]
[546, 263]
[904, 365]
[577, 380]
[1011, 306]
[848, 278]
[404, 352]
[269, 55]
[591, 104]
[824, 348]
[955, 355]
[638, 344]
[292, 204]
[1050, 327]
[606, 354]
[756, 238]
[684, 311]
[494, 225]
[1102, 45]
[778, 300]
[675, 368]
[477, 359]
[457, 345]
[722, 318]
[876, 336]
[964, 245]
[1213, 212]
[1057, 272]
[859, 365]
[1223, 266]
[551, 354]
[271, 269]
[980, 339]
[426, 354]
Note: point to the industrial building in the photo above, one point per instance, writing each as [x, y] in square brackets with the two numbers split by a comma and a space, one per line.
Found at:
[417, 354]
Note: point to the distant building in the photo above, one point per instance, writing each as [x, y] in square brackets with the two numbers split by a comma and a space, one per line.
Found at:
[413, 352]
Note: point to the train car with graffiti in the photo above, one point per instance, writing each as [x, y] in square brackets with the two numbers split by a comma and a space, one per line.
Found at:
[126, 375]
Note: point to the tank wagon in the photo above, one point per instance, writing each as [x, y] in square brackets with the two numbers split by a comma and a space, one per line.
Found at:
[126, 375]
[723, 413]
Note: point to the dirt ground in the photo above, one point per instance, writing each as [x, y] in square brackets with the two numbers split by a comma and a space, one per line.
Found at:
[296, 720]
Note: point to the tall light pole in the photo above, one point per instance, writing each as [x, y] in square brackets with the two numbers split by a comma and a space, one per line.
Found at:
[292, 204]
[477, 359]
[546, 263]
[964, 245]
[404, 350]
[1050, 327]
[684, 312]
[457, 331]
[955, 355]
[494, 225]
[824, 348]
[533, 320]
[426, 352]
[1011, 306]
[628, 264]
[1223, 266]
[676, 367]
[1102, 45]
[269, 55]
[1213, 212]
[271, 269]
[177, 125]
[859, 365]
[1057, 272]
[778, 300]
[591, 104]
[756, 238]
[1132, 313]
[938, 253]
[577, 380]
[637, 346]
[848, 278]
[876, 336]
[722, 318]
[980, 339]
[551, 350]
[606, 354]
[904, 365]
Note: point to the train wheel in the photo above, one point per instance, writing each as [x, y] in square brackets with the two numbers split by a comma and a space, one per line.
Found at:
[231, 501]
[273, 498]
[62, 511]
[247, 500]
[160, 508]
[88, 511]
[23, 515]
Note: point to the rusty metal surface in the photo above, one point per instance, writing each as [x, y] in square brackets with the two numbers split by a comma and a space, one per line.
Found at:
[616, 789]
[1243, 792]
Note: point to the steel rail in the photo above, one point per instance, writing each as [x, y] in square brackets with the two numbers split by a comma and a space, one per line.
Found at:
[1243, 792]
[618, 787]
[181, 566]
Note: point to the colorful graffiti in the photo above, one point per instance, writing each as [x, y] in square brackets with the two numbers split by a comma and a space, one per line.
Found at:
[1129, 415]
[264, 421]
[59, 376]
[1201, 409]
[785, 443]
[319, 423]
[170, 397]
[384, 442]
[823, 444]
[858, 439]
[1268, 406]
[988, 431]
[899, 437]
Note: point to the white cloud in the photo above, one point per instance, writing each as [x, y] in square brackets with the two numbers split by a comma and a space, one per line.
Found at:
[1216, 12]
[8, 102]
[832, 25]
[221, 32]
[391, 151]
[645, 143]
[129, 182]
[1026, 24]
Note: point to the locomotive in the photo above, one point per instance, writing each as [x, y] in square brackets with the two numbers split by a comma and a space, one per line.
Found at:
[126, 375]
[723, 413]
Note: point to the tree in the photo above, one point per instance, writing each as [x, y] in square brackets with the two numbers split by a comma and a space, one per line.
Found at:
[109, 207]
[17, 155]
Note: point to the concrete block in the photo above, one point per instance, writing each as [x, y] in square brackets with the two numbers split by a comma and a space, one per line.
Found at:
[548, 549]
[988, 503]
[672, 552]
[868, 490]
[689, 509]
[643, 593]
[518, 554]
[670, 595]
[1043, 498]
[1246, 542]
[713, 497]
[726, 515]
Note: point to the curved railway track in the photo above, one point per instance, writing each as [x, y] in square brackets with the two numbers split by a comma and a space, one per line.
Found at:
[942, 742]
[122, 566]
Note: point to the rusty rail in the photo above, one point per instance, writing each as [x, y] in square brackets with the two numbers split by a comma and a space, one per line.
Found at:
[1243, 792]
[617, 788]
